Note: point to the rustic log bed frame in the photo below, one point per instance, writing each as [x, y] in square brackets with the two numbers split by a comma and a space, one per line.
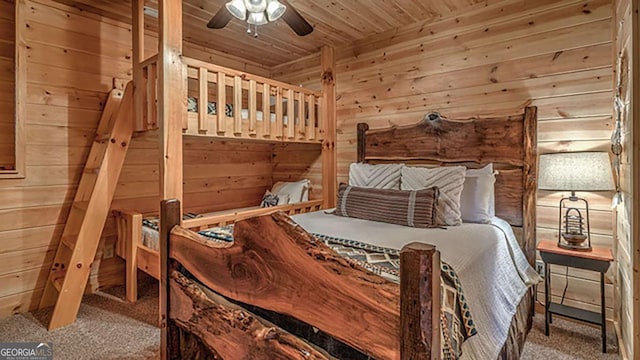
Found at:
[138, 256]
[276, 267]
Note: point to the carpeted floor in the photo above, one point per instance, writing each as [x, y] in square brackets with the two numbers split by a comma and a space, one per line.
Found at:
[109, 328]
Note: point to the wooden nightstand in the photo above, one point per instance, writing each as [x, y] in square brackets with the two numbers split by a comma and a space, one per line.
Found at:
[598, 260]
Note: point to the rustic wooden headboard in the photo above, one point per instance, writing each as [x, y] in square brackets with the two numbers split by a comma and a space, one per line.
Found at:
[508, 142]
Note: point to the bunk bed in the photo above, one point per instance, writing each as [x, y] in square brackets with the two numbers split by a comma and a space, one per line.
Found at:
[276, 291]
[228, 105]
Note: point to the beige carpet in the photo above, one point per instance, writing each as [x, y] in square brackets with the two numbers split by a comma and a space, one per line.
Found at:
[109, 328]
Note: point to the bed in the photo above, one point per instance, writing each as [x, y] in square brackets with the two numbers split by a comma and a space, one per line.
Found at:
[139, 246]
[275, 271]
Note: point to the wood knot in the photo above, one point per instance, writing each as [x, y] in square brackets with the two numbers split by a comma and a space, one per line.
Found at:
[327, 77]
[433, 118]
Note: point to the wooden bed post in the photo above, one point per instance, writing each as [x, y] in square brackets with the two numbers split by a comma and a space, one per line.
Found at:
[169, 217]
[362, 141]
[172, 110]
[329, 158]
[529, 181]
[419, 302]
[137, 32]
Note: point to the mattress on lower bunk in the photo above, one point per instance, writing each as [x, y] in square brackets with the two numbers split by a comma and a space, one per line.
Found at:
[151, 239]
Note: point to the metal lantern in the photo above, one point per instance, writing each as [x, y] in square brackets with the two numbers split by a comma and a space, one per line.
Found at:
[571, 227]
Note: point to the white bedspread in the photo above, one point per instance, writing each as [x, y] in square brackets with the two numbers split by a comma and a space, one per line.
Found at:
[487, 258]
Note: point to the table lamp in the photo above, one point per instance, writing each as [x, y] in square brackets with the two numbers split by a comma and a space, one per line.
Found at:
[575, 171]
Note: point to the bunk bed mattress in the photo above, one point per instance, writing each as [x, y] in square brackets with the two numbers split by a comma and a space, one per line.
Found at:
[492, 268]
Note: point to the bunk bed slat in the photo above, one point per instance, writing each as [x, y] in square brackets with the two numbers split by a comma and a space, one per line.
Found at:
[143, 116]
[203, 99]
[221, 104]
[152, 96]
[237, 105]
[253, 107]
[311, 121]
[301, 123]
[291, 116]
[266, 110]
[279, 131]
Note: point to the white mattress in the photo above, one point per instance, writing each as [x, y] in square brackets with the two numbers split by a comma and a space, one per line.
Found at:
[487, 258]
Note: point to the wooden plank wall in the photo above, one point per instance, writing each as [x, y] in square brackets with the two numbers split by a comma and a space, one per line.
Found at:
[292, 162]
[7, 85]
[73, 57]
[490, 59]
[218, 175]
[626, 311]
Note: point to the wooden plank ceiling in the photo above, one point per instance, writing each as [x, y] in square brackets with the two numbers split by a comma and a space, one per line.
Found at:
[336, 22]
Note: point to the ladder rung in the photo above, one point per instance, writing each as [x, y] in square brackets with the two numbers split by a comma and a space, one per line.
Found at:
[91, 170]
[57, 283]
[57, 277]
[101, 138]
[69, 241]
[81, 205]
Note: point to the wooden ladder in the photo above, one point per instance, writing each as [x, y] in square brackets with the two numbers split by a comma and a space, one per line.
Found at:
[79, 242]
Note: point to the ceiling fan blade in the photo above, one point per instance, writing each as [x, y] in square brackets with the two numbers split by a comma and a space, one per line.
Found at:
[220, 19]
[295, 21]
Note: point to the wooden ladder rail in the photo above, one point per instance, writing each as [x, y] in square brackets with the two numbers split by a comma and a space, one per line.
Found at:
[79, 242]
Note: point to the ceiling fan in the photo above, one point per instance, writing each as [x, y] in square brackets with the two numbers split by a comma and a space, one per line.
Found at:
[260, 12]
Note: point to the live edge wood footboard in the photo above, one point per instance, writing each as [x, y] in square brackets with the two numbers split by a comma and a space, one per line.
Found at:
[137, 256]
[274, 265]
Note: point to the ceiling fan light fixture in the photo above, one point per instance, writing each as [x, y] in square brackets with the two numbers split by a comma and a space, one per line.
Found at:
[275, 10]
[237, 8]
[257, 18]
[255, 6]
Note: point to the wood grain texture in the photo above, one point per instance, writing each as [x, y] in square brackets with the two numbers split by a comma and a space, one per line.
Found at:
[507, 141]
[251, 271]
[73, 57]
[488, 61]
[172, 82]
[335, 22]
[626, 240]
[228, 331]
[328, 128]
[170, 217]
[420, 302]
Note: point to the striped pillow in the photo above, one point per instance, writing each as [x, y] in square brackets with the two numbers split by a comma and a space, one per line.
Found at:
[449, 179]
[383, 176]
[409, 208]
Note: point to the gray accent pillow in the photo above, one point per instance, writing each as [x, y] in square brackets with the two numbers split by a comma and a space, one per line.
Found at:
[408, 208]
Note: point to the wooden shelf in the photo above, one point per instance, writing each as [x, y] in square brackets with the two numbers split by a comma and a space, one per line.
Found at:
[576, 313]
[597, 253]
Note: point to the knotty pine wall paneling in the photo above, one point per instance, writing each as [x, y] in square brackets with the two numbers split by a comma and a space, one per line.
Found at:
[626, 244]
[490, 59]
[72, 58]
[293, 162]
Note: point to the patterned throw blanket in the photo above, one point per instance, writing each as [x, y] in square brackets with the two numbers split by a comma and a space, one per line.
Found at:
[455, 316]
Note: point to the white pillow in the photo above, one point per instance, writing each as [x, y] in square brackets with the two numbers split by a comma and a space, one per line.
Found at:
[293, 192]
[383, 176]
[477, 202]
[449, 179]
[476, 197]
